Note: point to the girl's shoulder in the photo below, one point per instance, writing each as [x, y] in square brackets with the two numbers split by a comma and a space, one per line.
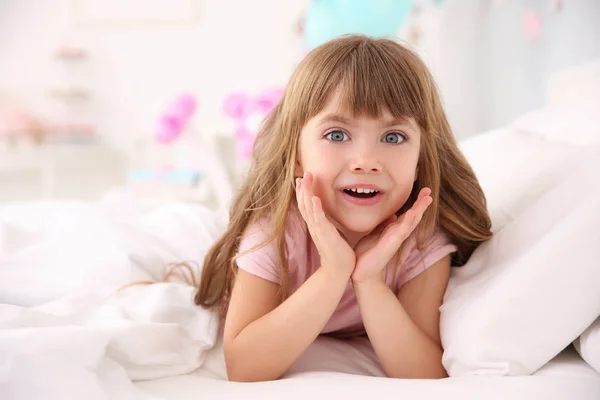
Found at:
[262, 230]
[258, 248]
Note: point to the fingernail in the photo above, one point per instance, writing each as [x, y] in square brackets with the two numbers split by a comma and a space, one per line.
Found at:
[305, 175]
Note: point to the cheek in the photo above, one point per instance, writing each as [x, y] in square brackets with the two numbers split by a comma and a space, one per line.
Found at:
[324, 172]
[319, 191]
[403, 170]
[324, 178]
[319, 160]
[404, 177]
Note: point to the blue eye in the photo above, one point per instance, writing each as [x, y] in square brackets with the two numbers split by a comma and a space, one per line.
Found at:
[337, 136]
[394, 138]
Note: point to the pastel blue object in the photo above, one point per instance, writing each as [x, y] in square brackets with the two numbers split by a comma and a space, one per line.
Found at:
[327, 19]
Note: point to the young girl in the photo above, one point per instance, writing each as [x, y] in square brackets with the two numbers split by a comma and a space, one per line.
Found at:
[356, 204]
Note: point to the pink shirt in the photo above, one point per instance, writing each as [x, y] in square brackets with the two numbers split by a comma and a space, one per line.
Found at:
[304, 260]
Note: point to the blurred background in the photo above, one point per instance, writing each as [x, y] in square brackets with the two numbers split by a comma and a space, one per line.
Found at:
[160, 99]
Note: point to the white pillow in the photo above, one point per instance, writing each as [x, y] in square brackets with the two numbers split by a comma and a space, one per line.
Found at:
[514, 169]
[577, 124]
[588, 345]
[533, 288]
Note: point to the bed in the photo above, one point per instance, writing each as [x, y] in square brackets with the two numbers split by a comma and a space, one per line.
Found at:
[148, 342]
[514, 325]
[567, 376]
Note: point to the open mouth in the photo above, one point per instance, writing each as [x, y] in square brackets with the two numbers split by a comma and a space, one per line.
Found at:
[361, 193]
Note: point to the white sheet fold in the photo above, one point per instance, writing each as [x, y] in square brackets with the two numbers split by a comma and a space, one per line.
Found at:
[65, 330]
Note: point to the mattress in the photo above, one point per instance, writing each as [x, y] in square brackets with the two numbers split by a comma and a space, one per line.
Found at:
[317, 375]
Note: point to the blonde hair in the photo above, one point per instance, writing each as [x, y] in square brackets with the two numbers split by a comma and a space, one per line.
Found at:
[372, 75]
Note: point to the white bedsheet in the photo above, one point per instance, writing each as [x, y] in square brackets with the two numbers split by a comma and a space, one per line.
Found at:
[564, 378]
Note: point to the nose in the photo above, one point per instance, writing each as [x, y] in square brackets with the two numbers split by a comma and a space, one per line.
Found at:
[365, 161]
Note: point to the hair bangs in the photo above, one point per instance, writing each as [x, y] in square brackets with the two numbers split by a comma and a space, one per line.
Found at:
[370, 77]
[374, 81]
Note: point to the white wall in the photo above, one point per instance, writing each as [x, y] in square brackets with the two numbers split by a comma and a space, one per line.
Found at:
[135, 71]
[514, 71]
[458, 74]
[487, 72]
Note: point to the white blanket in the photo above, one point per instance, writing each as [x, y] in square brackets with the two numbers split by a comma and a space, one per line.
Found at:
[65, 332]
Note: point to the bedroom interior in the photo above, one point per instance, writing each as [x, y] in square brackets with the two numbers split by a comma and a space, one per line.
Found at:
[126, 130]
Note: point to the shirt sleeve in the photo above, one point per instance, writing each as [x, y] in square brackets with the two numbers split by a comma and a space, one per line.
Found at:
[261, 261]
[417, 261]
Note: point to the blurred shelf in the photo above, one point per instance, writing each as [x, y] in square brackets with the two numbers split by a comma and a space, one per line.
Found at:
[62, 171]
[70, 93]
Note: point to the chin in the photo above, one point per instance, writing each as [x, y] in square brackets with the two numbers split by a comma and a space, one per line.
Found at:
[359, 225]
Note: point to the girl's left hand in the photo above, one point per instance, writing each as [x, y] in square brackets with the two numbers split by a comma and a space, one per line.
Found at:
[375, 250]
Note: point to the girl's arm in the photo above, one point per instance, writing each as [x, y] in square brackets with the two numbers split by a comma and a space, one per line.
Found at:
[404, 331]
[263, 338]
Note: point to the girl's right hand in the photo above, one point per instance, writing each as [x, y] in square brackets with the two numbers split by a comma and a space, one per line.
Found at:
[336, 254]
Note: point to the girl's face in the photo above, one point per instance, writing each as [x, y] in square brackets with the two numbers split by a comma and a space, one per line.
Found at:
[364, 168]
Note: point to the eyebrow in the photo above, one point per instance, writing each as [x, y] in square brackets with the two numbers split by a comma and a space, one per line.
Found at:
[348, 121]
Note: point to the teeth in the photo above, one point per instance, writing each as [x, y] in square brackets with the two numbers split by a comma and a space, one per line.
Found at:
[363, 190]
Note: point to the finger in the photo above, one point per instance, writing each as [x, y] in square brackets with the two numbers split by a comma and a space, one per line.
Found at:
[308, 195]
[300, 198]
[392, 239]
[404, 227]
[307, 199]
[398, 231]
[417, 214]
[322, 220]
[423, 201]
[424, 192]
[322, 223]
[393, 218]
[422, 204]
[383, 226]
